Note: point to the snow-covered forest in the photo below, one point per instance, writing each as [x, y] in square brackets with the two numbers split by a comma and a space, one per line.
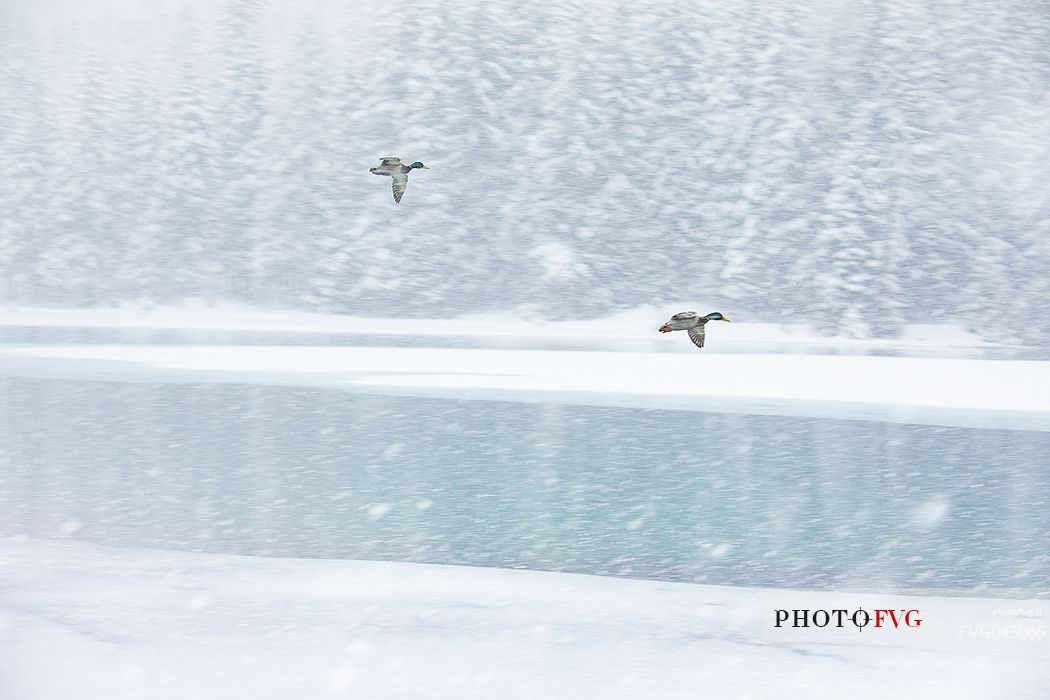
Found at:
[861, 165]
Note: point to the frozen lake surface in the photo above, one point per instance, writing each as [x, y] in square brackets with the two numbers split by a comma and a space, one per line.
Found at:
[90, 622]
[676, 495]
[131, 476]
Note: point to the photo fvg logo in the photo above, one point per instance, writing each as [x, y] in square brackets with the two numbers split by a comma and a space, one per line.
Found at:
[859, 618]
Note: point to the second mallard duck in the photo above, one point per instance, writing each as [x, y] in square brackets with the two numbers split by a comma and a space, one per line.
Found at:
[393, 168]
[692, 322]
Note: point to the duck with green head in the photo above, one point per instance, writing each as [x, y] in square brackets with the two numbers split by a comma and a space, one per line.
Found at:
[692, 322]
[392, 167]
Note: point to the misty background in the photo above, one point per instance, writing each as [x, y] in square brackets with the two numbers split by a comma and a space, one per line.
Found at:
[856, 165]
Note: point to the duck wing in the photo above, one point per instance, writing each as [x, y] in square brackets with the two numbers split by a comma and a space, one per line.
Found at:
[697, 334]
[400, 183]
[685, 316]
[389, 160]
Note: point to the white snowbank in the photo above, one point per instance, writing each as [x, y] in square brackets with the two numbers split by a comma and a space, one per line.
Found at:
[984, 393]
[634, 329]
[84, 621]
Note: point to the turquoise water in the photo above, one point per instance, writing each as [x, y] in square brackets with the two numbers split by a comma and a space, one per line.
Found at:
[683, 496]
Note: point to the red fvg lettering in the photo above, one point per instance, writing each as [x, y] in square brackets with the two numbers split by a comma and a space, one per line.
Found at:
[905, 617]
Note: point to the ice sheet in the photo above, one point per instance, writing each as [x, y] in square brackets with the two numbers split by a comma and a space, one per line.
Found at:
[86, 621]
[941, 391]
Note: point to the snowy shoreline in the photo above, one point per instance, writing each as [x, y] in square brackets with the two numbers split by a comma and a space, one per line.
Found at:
[160, 624]
[955, 392]
[632, 329]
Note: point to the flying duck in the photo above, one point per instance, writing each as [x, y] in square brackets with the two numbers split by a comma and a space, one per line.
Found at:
[692, 322]
[392, 167]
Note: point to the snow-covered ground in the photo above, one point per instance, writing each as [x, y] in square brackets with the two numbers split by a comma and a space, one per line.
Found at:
[984, 393]
[634, 329]
[83, 621]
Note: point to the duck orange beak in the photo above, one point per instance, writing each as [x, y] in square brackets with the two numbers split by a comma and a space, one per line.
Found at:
[425, 167]
[665, 328]
[725, 319]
